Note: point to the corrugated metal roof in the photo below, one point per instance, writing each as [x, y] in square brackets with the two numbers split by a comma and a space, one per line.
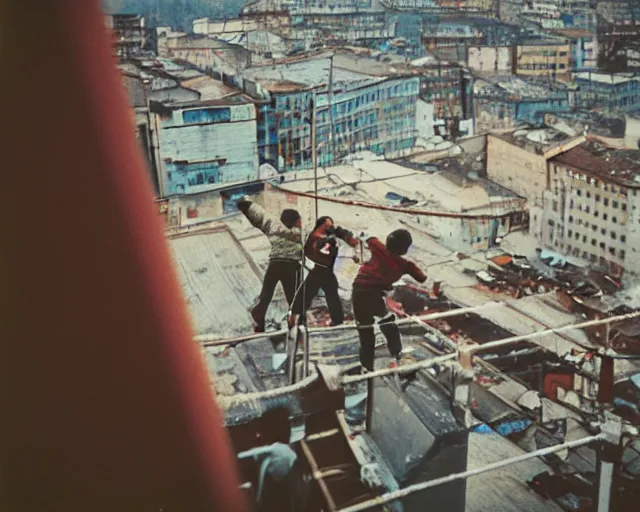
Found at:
[502, 490]
[311, 72]
[209, 88]
[219, 279]
[618, 166]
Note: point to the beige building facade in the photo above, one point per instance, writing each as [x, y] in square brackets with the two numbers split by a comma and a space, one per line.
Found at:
[591, 207]
[543, 58]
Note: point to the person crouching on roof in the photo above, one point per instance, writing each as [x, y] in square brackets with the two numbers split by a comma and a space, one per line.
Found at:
[285, 258]
[321, 248]
[376, 277]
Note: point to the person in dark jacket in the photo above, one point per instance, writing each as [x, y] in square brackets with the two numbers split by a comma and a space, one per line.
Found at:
[321, 248]
[375, 277]
[284, 267]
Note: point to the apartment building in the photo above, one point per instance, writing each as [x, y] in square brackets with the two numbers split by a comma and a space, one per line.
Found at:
[609, 92]
[549, 58]
[507, 101]
[352, 111]
[128, 34]
[591, 206]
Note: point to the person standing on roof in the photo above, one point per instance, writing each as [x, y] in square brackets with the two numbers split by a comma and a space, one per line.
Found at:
[376, 277]
[321, 248]
[284, 267]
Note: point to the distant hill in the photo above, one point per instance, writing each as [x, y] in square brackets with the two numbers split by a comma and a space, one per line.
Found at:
[175, 13]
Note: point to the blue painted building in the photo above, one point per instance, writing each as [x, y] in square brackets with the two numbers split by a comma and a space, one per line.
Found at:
[206, 145]
[367, 113]
[505, 102]
[608, 92]
[584, 48]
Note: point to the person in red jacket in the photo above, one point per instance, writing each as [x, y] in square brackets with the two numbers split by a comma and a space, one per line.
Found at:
[374, 279]
[321, 248]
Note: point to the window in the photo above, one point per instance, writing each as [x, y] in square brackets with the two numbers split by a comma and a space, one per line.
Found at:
[555, 206]
[593, 242]
[577, 236]
[586, 209]
[605, 201]
[614, 220]
[596, 213]
[614, 204]
[604, 216]
[603, 231]
[613, 235]
[602, 246]
[622, 253]
[569, 233]
[584, 239]
[570, 218]
[206, 115]
[597, 197]
[624, 207]
[594, 227]
[588, 194]
[623, 238]
[579, 192]
[612, 251]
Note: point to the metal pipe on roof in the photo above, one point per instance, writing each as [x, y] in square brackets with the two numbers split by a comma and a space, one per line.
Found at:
[230, 401]
[408, 321]
[420, 365]
[583, 325]
[399, 494]
[210, 340]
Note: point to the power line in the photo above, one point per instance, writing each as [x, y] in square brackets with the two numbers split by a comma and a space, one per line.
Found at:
[430, 213]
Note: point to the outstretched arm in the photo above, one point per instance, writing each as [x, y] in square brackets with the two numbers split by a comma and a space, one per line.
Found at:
[266, 223]
[416, 273]
[347, 236]
[258, 217]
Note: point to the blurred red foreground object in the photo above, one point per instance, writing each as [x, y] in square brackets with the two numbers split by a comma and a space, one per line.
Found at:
[104, 400]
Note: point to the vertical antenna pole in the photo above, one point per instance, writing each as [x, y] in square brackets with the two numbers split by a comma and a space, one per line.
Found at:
[314, 152]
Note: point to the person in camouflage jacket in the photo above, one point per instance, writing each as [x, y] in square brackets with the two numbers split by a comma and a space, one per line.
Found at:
[285, 236]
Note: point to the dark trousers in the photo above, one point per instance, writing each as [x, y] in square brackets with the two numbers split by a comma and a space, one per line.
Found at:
[368, 303]
[287, 272]
[319, 278]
